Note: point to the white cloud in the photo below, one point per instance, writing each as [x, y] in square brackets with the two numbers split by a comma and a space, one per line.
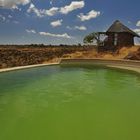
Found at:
[42, 12]
[56, 23]
[82, 28]
[51, 2]
[13, 4]
[52, 11]
[30, 31]
[7, 19]
[2, 18]
[16, 22]
[137, 31]
[73, 6]
[65, 35]
[56, 10]
[68, 27]
[92, 14]
[33, 9]
[129, 22]
[9, 16]
[138, 23]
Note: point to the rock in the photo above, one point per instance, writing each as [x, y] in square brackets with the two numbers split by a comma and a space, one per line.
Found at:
[134, 55]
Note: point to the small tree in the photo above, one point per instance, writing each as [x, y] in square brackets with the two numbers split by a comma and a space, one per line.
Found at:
[92, 38]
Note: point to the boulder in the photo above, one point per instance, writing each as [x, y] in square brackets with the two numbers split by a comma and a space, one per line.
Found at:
[134, 55]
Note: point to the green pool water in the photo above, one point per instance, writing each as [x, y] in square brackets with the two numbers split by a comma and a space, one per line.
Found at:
[69, 103]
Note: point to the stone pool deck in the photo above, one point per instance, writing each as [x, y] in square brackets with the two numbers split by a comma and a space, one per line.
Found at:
[119, 64]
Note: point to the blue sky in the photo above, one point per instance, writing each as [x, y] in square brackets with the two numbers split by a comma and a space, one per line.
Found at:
[62, 21]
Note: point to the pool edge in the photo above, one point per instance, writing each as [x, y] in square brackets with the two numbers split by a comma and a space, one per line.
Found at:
[117, 64]
[26, 67]
[129, 65]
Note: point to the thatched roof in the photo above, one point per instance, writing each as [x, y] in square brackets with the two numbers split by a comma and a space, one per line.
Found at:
[118, 27]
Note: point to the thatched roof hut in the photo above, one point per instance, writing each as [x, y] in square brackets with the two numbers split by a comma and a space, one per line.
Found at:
[119, 35]
[118, 27]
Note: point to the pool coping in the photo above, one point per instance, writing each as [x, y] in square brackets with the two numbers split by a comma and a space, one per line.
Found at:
[116, 63]
[26, 67]
[122, 64]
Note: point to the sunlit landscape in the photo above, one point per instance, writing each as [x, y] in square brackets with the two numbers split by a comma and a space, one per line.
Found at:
[69, 70]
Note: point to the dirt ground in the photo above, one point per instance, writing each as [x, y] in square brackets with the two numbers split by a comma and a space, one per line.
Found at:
[21, 56]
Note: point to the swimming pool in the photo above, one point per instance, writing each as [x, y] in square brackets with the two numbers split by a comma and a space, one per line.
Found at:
[69, 103]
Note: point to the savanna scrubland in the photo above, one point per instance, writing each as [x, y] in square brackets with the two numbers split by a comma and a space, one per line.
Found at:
[22, 55]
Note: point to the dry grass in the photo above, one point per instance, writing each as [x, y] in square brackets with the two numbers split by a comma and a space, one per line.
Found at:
[21, 56]
[92, 53]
